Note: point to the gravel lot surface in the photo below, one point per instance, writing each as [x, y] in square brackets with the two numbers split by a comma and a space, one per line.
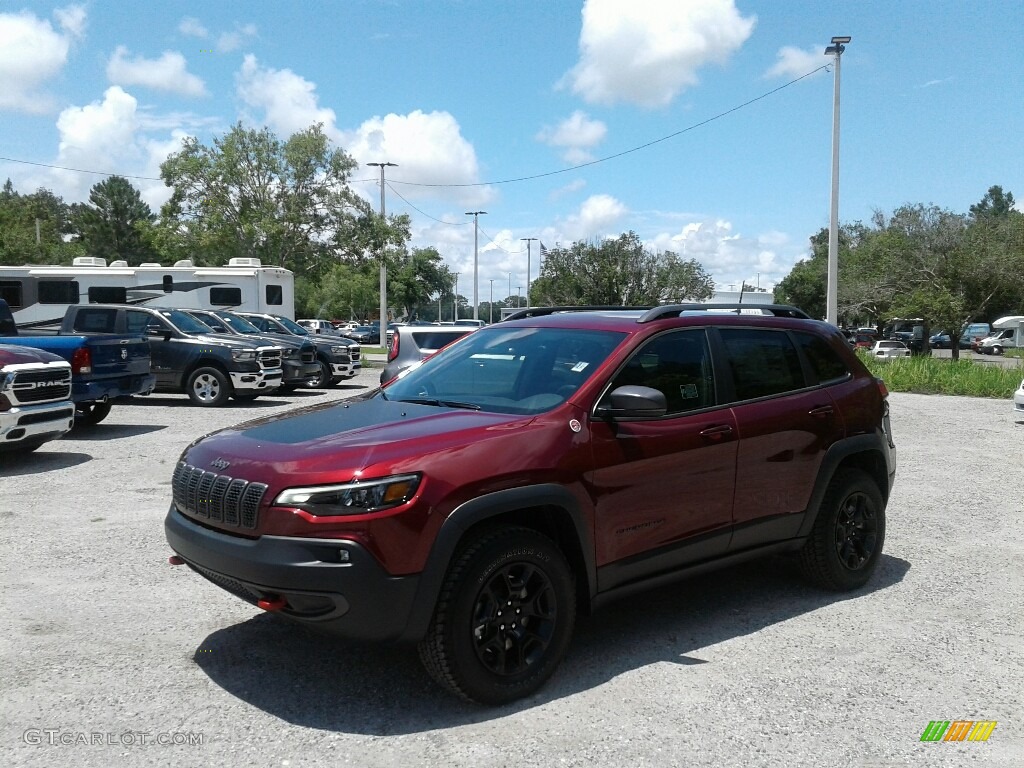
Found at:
[107, 649]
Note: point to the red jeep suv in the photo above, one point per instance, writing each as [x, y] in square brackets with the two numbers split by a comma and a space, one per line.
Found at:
[542, 466]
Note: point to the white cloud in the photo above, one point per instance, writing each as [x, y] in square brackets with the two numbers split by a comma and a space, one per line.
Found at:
[794, 62]
[598, 216]
[646, 52]
[192, 27]
[575, 135]
[288, 101]
[31, 53]
[72, 20]
[429, 149]
[232, 41]
[168, 73]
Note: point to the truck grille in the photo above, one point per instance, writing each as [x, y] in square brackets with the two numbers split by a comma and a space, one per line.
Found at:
[270, 358]
[37, 385]
[217, 498]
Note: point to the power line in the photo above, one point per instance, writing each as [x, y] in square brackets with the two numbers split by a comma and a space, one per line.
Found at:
[80, 170]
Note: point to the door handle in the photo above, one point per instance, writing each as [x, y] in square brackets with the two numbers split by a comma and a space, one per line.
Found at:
[822, 411]
[716, 433]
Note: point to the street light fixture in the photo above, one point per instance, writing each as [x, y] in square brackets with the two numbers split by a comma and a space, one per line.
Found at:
[476, 230]
[529, 242]
[383, 269]
[832, 286]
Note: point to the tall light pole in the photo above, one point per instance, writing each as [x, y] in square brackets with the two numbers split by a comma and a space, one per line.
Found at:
[476, 262]
[832, 287]
[519, 296]
[455, 299]
[529, 242]
[383, 269]
[509, 294]
[490, 305]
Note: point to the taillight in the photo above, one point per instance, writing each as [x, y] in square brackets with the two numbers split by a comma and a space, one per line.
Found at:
[393, 347]
[882, 390]
[81, 360]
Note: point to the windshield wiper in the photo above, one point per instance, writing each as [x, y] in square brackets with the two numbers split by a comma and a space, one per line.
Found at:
[446, 403]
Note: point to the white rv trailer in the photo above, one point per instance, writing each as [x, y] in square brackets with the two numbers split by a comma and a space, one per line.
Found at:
[38, 295]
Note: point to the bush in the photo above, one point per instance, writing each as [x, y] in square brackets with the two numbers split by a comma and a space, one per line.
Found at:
[943, 376]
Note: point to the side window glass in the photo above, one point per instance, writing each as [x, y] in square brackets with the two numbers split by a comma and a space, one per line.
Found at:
[676, 364]
[135, 322]
[763, 362]
[825, 362]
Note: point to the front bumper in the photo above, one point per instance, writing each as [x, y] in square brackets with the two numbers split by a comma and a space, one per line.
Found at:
[27, 422]
[355, 599]
[263, 380]
[298, 372]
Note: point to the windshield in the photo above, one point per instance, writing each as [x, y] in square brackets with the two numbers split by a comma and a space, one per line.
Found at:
[507, 369]
[184, 322]
[238, 323]
[292, 326]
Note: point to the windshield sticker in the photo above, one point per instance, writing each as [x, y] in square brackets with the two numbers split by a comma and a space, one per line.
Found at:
[580, 366]
[688, 391]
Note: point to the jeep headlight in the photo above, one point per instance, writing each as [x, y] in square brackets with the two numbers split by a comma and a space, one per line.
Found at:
[351, 498]
[243, 355]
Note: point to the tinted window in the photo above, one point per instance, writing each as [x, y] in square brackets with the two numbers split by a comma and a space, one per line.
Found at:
[676, 364]
[825, 361]
[10, 291]
[275, 295]
[95, 321]
[225, 297]
[762, 362]
[168, 283]
[136, 322]
[58, 292]
[106, 294]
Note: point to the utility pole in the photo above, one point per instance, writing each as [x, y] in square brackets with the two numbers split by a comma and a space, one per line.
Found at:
[529, 242]
[476, 261]
[832, 287]
[455, 299]
[490, 305]
[383, 268]
[519, 296]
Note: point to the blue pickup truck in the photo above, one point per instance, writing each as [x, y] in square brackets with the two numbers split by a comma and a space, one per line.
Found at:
[104, 366]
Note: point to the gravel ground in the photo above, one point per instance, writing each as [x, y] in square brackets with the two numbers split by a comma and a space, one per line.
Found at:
[107, 650]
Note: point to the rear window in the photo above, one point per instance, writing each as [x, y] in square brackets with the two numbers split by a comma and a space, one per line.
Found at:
[763, 362]
[825, 362]
[95, 321]
[431, 340]
[225, 297]
[108, 294]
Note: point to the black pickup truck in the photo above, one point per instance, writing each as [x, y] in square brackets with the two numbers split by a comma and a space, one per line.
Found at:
[338, 357]
[186, 356]
[299, 363]
[105, 365]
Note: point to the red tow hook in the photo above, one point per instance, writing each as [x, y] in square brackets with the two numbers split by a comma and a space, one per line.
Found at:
[273, 603]
[175, 560]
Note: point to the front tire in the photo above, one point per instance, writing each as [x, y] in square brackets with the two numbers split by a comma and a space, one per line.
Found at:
[504, 618]
[324, 378]
[997, 350]
[91, 414]
[208, 387]
[845, 544]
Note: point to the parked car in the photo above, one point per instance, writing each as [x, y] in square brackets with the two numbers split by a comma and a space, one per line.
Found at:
[106, 365]
[940, 340]
[542, 467]
[337, 358]
[972, 335]
[35, 398]
[412, 343]
[364, 334]
[888, 348]
[1018, 400]
[864, 341]
[318, 326]
[186, 356]
[299, 367]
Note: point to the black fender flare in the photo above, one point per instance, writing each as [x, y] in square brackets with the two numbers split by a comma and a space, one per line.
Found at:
[836, 454]
[478, 510]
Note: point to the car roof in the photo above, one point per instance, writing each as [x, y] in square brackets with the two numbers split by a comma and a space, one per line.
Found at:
[635, 319]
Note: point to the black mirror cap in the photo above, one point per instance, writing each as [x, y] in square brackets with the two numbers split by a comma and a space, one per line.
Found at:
[634, 401]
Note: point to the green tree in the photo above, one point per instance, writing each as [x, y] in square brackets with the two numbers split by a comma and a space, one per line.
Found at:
[287, 203]
[995, 204]
[416, 278]
[115, 222]
[34, 228]
[619, 272]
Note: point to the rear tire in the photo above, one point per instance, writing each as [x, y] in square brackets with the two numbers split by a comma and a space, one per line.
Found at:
[91, 414]
[504, 617]
[845, 544]
[208, 387]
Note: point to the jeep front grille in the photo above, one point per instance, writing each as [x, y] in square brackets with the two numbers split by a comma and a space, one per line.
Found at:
[37, 385]
[218, 498]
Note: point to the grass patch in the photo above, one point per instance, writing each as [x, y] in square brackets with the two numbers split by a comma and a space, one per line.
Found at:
[938, 376]
[1014, 353]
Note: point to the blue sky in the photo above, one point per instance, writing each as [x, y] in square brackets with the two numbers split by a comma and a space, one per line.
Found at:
[468, 98]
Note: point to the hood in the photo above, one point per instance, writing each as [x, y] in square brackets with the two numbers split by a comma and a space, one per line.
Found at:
[12, 355]
[332, 442]
[229, 340]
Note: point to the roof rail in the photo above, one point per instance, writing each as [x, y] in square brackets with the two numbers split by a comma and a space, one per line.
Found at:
[542, 311]
[675, 310]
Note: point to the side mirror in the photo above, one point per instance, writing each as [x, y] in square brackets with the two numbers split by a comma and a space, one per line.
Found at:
[634, 401]
[158, 333]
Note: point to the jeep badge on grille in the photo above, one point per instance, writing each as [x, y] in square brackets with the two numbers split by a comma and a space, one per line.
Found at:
[220, 464]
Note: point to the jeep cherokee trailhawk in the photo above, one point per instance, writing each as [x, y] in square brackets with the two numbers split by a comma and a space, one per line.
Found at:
[543, 466]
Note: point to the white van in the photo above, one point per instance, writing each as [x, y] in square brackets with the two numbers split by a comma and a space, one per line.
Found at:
[318, 326]
[1007, 333]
